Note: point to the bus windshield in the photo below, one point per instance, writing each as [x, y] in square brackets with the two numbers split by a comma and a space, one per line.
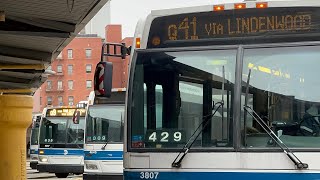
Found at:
[61, 130]
[173, 91]
[34, 136]
[105, 124]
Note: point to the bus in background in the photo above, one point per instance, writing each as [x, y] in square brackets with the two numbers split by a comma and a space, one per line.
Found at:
[82, 104]
[103, 146]
[260, 58]
[34, 135]
[61, 141]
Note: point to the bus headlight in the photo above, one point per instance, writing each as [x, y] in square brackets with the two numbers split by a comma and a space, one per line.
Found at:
[43, 159]
[91, 166]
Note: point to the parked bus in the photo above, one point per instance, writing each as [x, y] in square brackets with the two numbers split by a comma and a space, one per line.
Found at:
[34, 145]
[260, 58]
[103, 146]
[61, 141]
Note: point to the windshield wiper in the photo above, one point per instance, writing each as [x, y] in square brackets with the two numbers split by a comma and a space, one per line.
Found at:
[104, 146]
[299, 164]
[184, 151]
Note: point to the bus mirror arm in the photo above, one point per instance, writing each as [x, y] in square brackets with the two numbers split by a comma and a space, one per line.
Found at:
[299, 164]
[184, 151]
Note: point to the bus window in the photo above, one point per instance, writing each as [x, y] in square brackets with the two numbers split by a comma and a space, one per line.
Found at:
[284, 91]
[173, 92]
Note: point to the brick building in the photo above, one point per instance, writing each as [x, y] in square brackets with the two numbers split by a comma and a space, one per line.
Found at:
[75, 68]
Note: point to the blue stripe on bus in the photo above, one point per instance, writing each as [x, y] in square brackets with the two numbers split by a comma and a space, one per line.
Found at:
[128, 175]
[103, 155]
[33, 151]
[70, 152]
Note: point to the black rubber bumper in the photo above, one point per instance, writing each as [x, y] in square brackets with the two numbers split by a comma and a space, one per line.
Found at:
[33, 164]
[60, 168]
[102, 177]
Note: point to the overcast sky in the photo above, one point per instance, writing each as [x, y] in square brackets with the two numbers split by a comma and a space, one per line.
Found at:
[128, 12]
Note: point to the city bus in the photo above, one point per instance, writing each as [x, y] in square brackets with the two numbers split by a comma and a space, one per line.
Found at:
[225, 91]
[103, 146]
[34, 141]
[61, 141]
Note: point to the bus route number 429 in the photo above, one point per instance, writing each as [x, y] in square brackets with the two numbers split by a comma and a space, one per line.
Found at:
[149, 175]
[165, 136]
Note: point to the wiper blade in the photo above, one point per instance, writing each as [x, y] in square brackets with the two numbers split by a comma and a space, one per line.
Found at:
[104, 146]
[299, 164]
[184, 151]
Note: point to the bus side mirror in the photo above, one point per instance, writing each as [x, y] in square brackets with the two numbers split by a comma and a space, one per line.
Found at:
[76, 117]
[103, 79]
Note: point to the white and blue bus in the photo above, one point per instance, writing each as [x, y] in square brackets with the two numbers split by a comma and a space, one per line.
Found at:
[61, 141]
[34, 135]
[261, 58]
[103, 146]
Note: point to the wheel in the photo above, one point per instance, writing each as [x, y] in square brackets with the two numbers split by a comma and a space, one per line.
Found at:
[62, 175]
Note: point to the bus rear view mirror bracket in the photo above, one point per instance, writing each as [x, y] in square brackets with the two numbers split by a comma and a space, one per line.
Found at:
[103, 79]
[76, 117]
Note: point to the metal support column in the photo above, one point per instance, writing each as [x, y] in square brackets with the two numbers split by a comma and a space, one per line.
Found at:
[15, 118]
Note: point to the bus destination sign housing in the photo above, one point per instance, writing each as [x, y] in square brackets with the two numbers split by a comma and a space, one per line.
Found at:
[64, 112]
[243, 25]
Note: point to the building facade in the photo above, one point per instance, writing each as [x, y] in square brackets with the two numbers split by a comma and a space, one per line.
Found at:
[74, 69]
[75, 66]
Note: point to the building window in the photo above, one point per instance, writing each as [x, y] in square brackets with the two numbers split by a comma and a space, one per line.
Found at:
[60, 56]
[59, 68]
[89, 84]
[59, 85]
[49, 100]
[88, 53]
[70, 54]
[70, 69]
[70, 84]
[49, 85]
[60, 100]
[88, 68]
[70, 100]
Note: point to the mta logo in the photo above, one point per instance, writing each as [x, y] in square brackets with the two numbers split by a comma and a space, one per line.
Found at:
[65, 152]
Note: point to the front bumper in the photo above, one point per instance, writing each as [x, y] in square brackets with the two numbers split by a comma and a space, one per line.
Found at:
[60, 168]
[33, 164]
[102, 177]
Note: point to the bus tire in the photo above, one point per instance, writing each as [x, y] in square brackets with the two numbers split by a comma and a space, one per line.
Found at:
[61, 175]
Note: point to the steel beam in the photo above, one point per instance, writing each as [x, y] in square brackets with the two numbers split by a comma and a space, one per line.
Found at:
[13, 85]
[25, 53]
[17, 60]
[20, 66]
[44, 23]
[40, 34]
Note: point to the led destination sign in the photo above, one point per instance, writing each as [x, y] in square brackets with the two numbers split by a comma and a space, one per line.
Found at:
[64, 112]
[236, 23]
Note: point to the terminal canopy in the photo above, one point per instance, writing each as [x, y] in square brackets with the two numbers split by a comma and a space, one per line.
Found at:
[33, 33]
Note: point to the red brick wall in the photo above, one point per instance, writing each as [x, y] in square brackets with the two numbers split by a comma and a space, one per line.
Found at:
[120, 66]
[79, 62]
[79, 75]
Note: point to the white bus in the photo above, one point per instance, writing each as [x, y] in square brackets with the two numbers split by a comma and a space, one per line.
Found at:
[61, 141]
[103, 146]
[34, 145]
[261, 58]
